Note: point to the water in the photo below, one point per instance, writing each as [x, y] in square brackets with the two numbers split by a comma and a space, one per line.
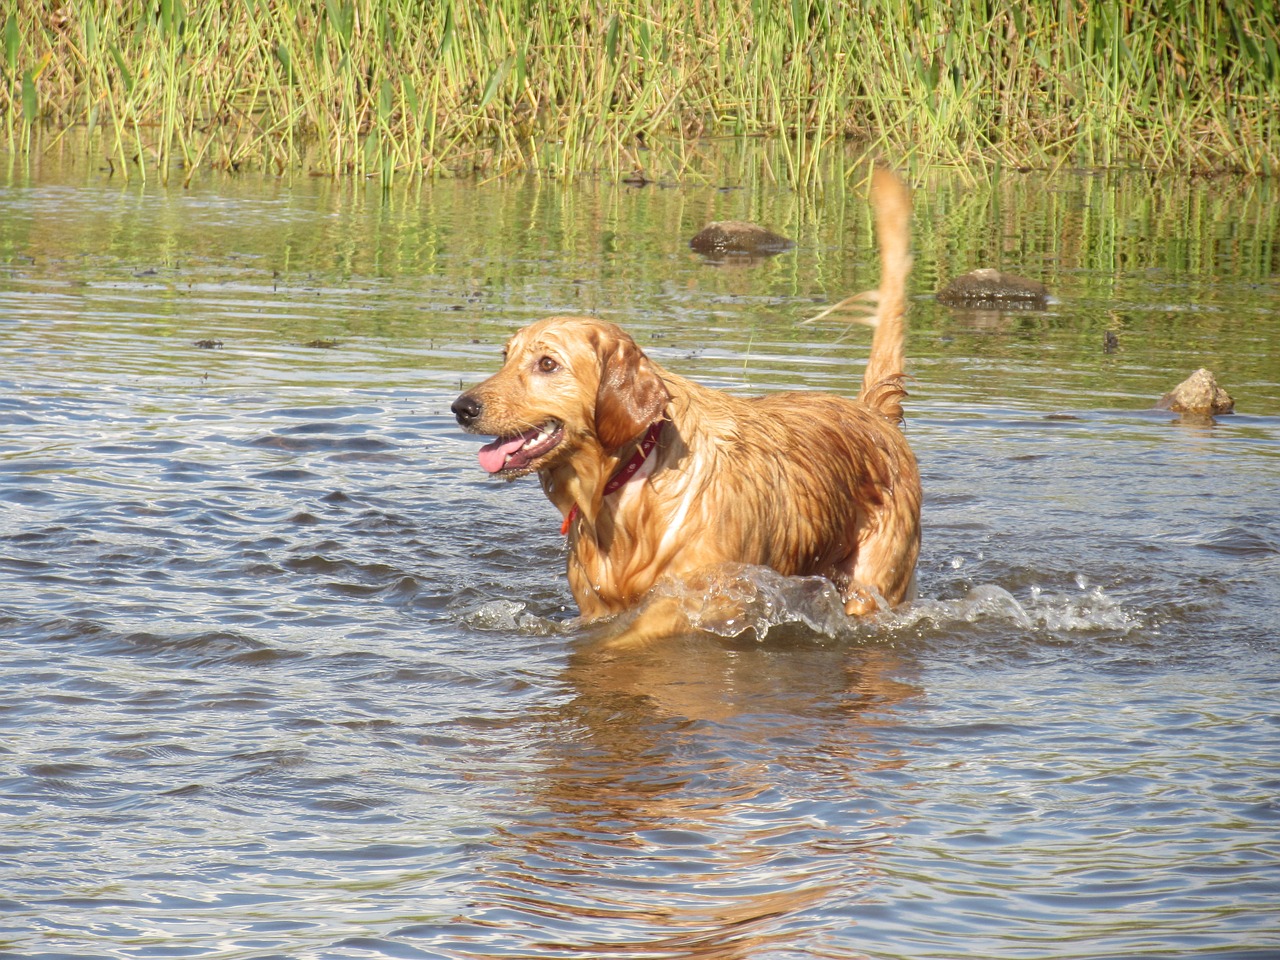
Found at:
[282, 674]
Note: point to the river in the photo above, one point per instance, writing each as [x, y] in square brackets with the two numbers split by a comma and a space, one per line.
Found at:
[284, 674]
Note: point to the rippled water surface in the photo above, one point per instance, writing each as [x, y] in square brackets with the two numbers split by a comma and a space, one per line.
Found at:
[283, 674]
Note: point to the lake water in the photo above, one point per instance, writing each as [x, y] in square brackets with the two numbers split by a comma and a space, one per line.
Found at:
[283, 674]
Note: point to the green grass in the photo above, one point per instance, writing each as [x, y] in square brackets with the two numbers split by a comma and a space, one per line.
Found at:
[393, 88]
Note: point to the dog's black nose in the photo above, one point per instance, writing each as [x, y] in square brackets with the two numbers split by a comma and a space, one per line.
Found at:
[467, 409]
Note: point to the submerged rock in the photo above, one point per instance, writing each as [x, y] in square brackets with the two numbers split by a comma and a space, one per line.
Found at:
[722, 237]
[991, 288]
[1198, 394]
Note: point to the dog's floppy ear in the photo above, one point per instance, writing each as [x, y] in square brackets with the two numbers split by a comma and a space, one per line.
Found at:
[631, 394]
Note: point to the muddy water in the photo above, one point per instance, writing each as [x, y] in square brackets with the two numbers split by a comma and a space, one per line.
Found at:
[282, 674]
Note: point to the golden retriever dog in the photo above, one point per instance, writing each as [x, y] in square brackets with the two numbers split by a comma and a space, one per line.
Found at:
[658, 478]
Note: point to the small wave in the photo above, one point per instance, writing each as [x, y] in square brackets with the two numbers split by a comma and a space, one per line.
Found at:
[1237, 541]
[190, 647]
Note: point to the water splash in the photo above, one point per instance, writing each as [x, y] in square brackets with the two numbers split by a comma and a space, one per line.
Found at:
[510, 616]
[756, 603]
[749, 602]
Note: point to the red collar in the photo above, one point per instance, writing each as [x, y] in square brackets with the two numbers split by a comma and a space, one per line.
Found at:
[626, 472]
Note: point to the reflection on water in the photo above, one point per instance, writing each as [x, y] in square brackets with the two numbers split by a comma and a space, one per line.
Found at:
[283, 674]
[646, 791]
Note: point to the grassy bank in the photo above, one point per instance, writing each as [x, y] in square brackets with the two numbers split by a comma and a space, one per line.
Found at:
[391, 88]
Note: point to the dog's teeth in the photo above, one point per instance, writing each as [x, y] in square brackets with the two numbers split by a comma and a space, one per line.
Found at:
[542, 436]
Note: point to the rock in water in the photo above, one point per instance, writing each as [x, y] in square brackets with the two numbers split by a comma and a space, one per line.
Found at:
[1200, 394]
[723, 237]
[992, 289]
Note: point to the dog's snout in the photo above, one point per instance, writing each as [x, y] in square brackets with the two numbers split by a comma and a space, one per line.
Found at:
[467, 409]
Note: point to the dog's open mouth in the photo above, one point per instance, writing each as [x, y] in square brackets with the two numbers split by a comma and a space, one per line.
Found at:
[509, 454]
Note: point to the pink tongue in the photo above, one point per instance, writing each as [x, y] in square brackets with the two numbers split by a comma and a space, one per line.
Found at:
[493, 455]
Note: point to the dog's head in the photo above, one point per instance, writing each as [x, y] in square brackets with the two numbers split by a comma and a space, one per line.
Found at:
[567, 384]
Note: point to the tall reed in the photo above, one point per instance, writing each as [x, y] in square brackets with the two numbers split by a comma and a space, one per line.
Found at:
[388, 88]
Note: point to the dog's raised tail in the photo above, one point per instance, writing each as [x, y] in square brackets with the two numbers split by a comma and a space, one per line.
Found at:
[882, 382]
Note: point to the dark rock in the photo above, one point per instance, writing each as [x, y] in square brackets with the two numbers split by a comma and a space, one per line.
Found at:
[1198, 394]
[992, 289]
[723, 237]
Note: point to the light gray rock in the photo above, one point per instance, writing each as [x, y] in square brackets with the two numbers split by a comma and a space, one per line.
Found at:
[1198, 394]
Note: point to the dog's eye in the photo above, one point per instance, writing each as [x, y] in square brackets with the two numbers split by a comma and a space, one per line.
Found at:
[548, 365]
